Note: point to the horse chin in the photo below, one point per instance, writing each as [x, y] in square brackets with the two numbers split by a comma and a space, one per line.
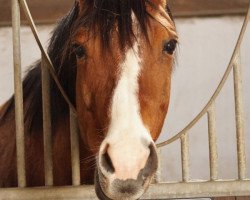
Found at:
[102, 189]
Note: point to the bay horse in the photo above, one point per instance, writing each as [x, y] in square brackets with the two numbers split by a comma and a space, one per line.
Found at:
[114, 59]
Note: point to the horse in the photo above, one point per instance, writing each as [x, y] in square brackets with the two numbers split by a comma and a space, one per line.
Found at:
[114, 59]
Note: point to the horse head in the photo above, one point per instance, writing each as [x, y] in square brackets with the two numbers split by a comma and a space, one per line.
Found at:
[124, 56]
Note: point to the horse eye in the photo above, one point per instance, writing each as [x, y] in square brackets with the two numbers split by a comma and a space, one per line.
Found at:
[170, 46]
[79, 50]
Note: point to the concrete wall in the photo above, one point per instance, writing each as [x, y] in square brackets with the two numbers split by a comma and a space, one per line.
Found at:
[206, 45]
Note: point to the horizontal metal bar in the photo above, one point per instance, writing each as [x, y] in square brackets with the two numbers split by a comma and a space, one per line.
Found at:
[198, 190]
[156, 191]
[49, 193]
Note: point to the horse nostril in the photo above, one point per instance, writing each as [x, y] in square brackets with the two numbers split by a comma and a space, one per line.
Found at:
[151, 165]
[106, 163]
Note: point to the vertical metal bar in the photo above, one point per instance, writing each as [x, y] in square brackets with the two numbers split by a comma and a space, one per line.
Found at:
[159, 172]
[47, 134]
[213, 154]
[239, 118]
[75, 156]
[185, 157]
[18, 95]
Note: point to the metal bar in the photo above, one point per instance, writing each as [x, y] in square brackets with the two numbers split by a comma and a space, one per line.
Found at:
[159, 169]
[18, 95]
[217, 91]
[239, 118]
[155, 191]
[50, 66]
[185, 157]
[75, 155]
[213, 154]
[49, 193]
[198, 190]
[47, 133]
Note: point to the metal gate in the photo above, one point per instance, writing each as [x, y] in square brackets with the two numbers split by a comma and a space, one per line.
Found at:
[185, 189]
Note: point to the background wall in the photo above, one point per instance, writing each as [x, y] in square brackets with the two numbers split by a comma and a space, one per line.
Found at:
[205, 49]
[206, 45]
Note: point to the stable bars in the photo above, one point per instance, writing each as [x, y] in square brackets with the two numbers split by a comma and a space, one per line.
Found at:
[47, 131]
[239, 118]
[185, 157]
[75, 155]
[213, 154]
[20, 154]
[47, 126]
[156, 191]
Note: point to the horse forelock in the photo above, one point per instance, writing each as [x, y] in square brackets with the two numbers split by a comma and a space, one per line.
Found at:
[102, 17]
[99, 18]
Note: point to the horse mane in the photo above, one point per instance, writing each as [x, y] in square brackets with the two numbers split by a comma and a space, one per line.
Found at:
[100, 17]
[65, 68]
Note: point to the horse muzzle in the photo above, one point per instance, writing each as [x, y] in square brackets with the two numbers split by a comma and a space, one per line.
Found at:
[109, 187]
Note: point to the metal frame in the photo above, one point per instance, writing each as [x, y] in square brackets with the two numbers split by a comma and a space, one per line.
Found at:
[18, 94]
[156, 191]
[185, 189]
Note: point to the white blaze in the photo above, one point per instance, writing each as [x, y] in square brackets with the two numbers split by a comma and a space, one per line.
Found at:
[127, 137]
[125, 107]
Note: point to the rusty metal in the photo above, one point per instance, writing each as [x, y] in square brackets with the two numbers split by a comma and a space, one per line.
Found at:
[18, 94]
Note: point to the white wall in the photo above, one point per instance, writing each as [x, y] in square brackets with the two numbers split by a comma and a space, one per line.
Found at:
[206, 45]
[30, 53]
